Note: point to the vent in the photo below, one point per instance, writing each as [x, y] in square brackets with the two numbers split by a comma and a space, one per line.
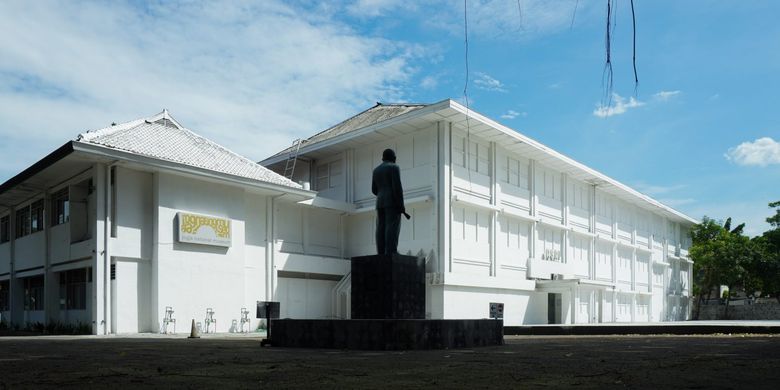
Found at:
[113, 271]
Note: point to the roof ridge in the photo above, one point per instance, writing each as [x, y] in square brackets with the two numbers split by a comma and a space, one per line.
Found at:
[378, 104]
[115, 128]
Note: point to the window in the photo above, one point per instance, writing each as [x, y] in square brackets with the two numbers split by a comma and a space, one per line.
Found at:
[471, 155]
[33, 293]
[329, 175]
[36, 216]
[5, 229]
[479, 158]
[60, 207]
[22, 222]
[73, 289]
[515, 173]
[4, 295]
[549, 184]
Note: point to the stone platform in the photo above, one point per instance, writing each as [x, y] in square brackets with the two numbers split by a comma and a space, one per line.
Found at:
[387, 334]
[388, 287]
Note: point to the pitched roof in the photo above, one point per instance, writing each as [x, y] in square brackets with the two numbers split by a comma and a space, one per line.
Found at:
[161, 137]
[378, 113]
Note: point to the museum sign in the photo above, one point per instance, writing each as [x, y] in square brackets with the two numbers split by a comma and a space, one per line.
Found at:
[204, 229]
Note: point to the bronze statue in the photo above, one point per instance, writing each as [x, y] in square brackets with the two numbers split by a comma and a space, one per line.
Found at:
[386, 185]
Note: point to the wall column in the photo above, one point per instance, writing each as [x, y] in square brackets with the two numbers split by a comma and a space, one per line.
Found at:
[444, 197]
[99, 296]
[494, 214]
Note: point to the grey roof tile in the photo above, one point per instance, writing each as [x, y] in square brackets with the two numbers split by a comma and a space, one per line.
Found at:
[378, 113]
[163, 138]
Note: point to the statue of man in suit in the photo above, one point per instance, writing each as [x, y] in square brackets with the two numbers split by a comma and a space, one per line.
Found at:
[386, 185]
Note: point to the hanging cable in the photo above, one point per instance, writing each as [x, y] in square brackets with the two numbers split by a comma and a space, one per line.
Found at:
[606, 78]
[467, 146]
[633, 21]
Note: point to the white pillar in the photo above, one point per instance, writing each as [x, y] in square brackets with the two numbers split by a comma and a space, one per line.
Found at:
[444, 194]
[99, 285]
[494, 261]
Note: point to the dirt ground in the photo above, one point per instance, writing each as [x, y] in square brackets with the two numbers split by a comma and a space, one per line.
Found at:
[739, 361]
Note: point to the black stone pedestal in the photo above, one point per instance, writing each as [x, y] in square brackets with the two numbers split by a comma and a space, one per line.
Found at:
[388, 313]
[388, 287]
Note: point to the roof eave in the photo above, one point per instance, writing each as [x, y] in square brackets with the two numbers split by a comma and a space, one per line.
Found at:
[577, 165]
[53, 157]
[103, 151]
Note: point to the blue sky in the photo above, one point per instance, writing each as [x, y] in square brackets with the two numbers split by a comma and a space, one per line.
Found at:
[701, 134]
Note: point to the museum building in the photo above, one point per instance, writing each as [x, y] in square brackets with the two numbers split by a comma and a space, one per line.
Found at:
[143, 226]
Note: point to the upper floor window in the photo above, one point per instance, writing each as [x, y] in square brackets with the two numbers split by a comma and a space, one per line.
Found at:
[60, 207]
[22, 222]
[471, 155]
[36, 216]
[5, 229]
[549, 184]
[515, 172]
[329, 175]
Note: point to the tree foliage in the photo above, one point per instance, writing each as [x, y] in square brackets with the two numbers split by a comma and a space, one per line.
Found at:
[725, 256]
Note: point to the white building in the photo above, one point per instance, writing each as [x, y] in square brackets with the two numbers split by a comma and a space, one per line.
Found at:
[121, 223]
[96, 233]
[501, 218]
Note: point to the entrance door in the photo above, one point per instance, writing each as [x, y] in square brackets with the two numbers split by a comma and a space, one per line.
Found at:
[554, 303]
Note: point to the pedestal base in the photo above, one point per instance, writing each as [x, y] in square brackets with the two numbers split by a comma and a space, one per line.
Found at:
[380, 334]
[388, 287]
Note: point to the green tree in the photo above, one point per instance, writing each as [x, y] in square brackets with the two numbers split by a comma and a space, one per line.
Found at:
[721, 256]
[702, 252]
[766, 266]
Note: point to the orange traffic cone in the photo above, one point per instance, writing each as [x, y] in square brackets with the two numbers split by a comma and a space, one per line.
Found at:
[194, 331]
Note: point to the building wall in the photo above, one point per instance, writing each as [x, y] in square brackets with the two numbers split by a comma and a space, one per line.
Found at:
[191, 277]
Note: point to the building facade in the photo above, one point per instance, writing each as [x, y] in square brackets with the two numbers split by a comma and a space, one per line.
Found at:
[126, 227]
[129, 225]
[502, 218]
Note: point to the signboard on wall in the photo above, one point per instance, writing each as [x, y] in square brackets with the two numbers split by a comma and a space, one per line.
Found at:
[204, 229]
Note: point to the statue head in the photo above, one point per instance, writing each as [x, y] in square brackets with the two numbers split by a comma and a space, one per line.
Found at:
[388, 155]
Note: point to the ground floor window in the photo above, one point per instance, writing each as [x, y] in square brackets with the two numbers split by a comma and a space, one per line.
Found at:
[4, 295]
[73, 289]
[33, 293]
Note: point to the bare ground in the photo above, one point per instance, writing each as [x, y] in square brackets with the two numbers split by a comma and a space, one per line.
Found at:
[523, 362]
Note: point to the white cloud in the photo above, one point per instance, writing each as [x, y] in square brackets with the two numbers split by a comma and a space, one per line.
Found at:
[488, 83]
[429, 82]
[512, 114]
[666, 95]
[762, 152]
[619, 106]
[250, 76]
